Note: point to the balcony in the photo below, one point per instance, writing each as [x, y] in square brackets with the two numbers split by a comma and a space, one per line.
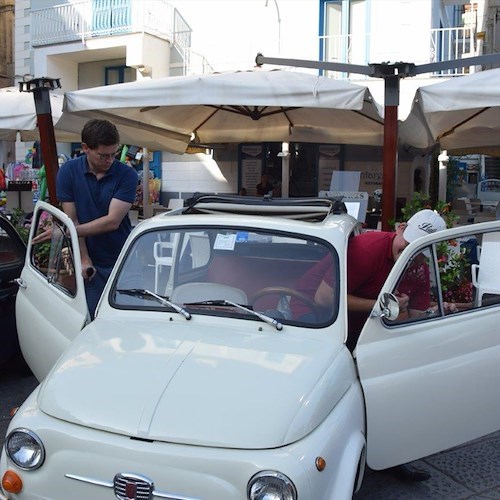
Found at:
[103, 18]
[439, 45]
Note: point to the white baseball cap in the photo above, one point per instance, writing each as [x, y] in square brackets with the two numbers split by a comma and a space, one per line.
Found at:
[423, 223]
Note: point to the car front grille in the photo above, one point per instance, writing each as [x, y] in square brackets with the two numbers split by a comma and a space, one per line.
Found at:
[132, 487]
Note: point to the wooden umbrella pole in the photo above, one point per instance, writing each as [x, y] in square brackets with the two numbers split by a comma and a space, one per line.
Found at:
[41, 88]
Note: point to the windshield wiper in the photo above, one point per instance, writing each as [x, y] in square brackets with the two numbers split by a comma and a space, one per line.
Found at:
[223, 302]
[143, 292]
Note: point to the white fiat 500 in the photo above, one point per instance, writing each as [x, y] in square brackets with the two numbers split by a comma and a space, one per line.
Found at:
[210, 372]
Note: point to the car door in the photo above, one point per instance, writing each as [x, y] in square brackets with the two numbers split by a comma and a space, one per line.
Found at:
[12, 255]
[51, 307]
[430, 379]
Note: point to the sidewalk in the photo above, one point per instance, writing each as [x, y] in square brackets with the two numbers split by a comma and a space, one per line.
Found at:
[470, 471]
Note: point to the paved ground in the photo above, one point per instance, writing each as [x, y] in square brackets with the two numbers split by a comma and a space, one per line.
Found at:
[471, 471]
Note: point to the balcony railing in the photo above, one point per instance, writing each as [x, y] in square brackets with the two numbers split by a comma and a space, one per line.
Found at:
[442, 45]
[97, 18]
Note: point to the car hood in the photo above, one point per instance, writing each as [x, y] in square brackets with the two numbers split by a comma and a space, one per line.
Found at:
[196, 382]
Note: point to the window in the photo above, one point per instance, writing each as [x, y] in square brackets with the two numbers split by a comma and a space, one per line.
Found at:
[258, 269]
[117, 74]
[54, 257]
[344, 32]
[451, 276]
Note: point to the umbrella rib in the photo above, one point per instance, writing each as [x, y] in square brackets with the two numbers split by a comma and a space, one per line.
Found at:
[195, 130]
[451, 130]
[120, 120]
[254, 113]
[379, 122]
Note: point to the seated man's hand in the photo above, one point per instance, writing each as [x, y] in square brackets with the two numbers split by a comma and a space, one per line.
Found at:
[449, 307]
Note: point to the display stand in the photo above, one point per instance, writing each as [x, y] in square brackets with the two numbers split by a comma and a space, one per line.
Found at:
[19, 196]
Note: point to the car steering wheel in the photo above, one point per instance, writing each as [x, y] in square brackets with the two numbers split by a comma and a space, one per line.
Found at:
[283, 290]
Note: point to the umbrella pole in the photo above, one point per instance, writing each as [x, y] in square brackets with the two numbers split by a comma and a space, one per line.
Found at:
[147, 209]
[285, 170]
[390, 151]
[41, 88]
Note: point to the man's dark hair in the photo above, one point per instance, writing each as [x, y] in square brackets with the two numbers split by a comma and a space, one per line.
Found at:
[96, 132]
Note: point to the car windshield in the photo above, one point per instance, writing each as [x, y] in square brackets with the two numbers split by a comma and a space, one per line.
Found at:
[215, 271]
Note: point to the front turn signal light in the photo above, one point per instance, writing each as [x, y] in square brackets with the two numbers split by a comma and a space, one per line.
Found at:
[11, 482]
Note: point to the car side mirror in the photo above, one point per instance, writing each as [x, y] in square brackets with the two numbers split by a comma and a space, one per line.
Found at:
[389, 307]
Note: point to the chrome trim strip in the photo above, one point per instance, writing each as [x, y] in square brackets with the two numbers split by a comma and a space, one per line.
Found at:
[109, 484]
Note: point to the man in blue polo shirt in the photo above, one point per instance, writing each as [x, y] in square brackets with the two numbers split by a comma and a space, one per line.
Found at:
[97, 191]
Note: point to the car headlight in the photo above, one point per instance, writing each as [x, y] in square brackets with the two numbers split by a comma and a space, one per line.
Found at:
[25, 449]
[271, 485]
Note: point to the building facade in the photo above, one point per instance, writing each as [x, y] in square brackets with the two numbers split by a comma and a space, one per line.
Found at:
[96, 42]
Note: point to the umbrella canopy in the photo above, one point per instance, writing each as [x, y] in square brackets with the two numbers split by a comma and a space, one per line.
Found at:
[247, 106]
[460, 113]
[18, 115]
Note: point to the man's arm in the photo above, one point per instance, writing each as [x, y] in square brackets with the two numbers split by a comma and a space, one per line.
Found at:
[70, 210]
[117, 211]
[359, 304]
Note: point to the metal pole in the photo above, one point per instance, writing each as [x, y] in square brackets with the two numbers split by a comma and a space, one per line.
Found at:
[391, 73]
[41, 88]
[390, 151]
[279, 24]
[147, 208]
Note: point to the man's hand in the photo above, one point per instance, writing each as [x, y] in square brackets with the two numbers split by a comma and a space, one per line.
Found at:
[403, 300]
[88, 269]
[43, 236]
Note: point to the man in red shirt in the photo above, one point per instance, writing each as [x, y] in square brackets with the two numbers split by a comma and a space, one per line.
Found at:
[370, 258]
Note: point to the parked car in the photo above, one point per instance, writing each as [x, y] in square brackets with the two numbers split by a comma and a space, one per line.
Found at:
[12, 255]
[209, 372]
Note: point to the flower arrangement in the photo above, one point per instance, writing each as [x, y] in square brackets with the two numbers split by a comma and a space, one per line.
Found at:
[454, 271]
[22, 225]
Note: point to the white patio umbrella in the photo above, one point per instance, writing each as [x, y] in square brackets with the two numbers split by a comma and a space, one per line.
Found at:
[18, 119]
[462, 113]
[247, 106]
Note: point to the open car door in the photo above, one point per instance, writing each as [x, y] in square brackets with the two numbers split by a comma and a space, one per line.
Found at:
[430, 374]
[12, 255]
[51, 307]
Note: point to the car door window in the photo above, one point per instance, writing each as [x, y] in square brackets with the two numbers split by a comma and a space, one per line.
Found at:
[452, 276]
[417, 288]
[9, 251]
[53, 257]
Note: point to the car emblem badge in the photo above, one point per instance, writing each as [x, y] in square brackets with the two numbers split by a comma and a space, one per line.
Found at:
[130, 489]
[128, 486]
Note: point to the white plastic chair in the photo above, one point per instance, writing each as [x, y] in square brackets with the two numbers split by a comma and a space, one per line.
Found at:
[163, 253]
[486, 274]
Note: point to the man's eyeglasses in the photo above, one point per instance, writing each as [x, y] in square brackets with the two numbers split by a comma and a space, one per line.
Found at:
[106, 156]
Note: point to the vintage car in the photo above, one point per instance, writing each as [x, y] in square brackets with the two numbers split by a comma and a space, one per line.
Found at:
[12, 255]
[210, 372]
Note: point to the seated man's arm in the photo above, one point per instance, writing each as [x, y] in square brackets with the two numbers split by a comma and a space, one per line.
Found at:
[324, 295]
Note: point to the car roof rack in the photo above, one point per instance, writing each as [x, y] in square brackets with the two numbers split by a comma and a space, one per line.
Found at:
[310, 209]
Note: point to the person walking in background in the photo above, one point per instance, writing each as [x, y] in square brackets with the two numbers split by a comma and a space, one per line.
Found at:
[96, 192]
